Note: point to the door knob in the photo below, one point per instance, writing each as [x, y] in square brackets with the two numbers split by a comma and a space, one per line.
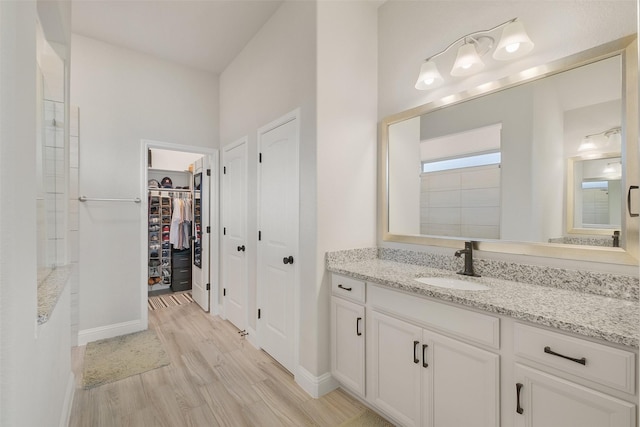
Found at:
[241, 248]
[288, 260]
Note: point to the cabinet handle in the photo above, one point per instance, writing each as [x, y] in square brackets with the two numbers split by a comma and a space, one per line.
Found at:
[358, 333]
[631, 187]
[519, 409]
[346, 289]
[582, 361]
[415, 346]
[424, 358]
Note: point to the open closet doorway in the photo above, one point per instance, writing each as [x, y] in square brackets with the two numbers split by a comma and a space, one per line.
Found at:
[179, 232]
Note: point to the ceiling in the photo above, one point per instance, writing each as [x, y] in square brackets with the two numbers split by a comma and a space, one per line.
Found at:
[203, 34]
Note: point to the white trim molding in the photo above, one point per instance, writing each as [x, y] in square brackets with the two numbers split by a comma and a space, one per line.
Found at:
[88, 335]
[315, 386]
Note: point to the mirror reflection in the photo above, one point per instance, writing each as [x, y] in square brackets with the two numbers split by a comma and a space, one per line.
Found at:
[495, 167]
[595, 200]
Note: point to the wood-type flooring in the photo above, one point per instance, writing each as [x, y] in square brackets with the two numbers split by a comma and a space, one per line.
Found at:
[215, 378]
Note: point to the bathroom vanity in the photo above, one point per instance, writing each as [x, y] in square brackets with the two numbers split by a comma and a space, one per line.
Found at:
[513, 354]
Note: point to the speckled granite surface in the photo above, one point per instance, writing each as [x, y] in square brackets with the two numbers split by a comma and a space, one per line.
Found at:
[605, 241]
[610, 319]
[604, 284]
[49, 290]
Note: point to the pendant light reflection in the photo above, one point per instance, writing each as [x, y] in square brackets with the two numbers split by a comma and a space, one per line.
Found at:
[513, 43]
[605, 141]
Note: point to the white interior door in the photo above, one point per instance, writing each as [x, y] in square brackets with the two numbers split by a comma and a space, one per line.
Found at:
[234, 242]
[278, 239]
[201, 246]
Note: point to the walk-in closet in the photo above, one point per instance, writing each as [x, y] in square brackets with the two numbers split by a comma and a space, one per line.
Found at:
[174, 230]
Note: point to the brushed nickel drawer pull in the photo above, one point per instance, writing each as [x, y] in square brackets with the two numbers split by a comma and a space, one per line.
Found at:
[582, 361]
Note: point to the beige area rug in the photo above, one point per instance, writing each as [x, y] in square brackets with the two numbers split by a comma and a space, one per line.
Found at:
[169, 300]
[367, 419]
[113, 359]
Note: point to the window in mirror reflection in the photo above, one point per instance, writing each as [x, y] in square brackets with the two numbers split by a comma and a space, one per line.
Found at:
[459, 182]
[598, 193]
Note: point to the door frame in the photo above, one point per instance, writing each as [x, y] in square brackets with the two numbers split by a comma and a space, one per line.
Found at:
[290, 116]
[244, 140]
[145, 145]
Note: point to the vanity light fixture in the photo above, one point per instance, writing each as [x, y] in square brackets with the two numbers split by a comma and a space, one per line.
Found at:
[612, 168]
[591, 142]
[513, 43]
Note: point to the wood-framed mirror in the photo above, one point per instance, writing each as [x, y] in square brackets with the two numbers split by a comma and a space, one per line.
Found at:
[516, 202]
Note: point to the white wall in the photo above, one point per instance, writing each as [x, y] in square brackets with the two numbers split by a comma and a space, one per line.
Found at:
[125, 96]
[35, 365]
[277, 73]
[273, 75]
[172, 160]
[346, 149]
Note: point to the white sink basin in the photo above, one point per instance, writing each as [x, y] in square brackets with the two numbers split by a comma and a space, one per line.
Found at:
[452, 283]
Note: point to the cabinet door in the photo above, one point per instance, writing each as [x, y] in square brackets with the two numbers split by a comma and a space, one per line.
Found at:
[347, 344]
[461, 384]
[549, 401]
[396, 368]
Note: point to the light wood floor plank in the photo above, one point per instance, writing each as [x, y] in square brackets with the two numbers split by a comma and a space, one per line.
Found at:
[215, 378]
[226, 410]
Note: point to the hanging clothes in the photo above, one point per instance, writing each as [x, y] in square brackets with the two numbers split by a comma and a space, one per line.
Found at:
[186, 222]
[181, 222]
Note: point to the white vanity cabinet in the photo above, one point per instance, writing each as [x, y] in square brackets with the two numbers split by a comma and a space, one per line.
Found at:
[348, 333]
[423, 362]
[421, 377]
[549, 394]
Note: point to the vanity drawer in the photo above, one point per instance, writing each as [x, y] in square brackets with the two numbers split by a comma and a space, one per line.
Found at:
[592, 361]
[459, 322]
[347, 287]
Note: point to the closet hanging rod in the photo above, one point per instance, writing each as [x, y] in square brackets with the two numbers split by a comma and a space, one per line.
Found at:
[95, 199]
[172, 190]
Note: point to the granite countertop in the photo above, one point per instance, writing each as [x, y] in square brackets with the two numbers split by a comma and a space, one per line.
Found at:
[49, 290]
[610, 319]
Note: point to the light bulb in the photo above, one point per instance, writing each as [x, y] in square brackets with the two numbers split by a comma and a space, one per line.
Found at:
[429, 76]
[514, 42]
[512, 47]
[467, 61]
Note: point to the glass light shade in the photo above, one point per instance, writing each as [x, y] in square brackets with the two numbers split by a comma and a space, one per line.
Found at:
[514, 42]
[587, 145]
[467, 61]
[429, 76]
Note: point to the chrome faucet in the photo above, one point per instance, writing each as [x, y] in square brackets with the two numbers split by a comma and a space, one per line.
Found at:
[468, 259]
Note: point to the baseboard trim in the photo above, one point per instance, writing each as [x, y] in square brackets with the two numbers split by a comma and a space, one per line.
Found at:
[88, 335]
[67, 405]
[315, 386]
